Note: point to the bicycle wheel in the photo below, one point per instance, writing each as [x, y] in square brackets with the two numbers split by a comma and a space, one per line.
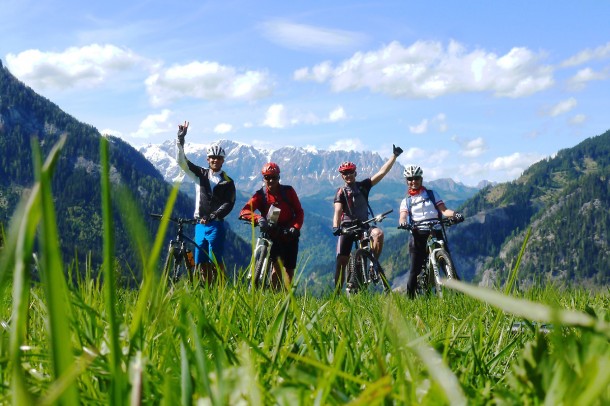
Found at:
[260, 274]
[446, 269]
[172, 267]
[356, 269]
[379, 282]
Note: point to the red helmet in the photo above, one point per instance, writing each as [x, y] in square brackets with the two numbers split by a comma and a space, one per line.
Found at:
[347, 167]
[270, 168]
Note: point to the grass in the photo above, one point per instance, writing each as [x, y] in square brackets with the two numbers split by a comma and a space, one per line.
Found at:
[79, 340]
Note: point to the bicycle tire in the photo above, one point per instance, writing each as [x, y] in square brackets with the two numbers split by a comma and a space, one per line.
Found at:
[446, 269]
[356, 268]
[171, 268]
[260, 273]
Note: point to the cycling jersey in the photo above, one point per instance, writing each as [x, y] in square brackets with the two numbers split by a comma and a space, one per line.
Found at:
[214, 192]
[422, 205]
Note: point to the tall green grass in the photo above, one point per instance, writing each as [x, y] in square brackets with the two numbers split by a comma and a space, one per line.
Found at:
[79, 340]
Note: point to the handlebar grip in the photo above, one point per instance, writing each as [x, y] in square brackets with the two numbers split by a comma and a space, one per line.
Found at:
[387, 212]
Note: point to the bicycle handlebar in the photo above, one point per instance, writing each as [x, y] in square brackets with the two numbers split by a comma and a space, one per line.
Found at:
[178, 220]
[428, 224]
[377, 219]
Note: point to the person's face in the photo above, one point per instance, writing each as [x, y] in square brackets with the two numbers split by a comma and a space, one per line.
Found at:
[271, 181]
[215, 162]
[349, 176]
[414, 182]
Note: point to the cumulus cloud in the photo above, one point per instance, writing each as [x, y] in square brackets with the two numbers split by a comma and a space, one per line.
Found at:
[471, 148]
[352, 144]
[420, 128]
[302, 36]
[412, 153]
[514, 164]
[563, 107]
[86, 66]
[584, 76]
[601, 52]
[578, 119]
[223, 128]
[154, 124]
[439, 121]
[208, 81]
[427, 69]
[337, 114]
[278, 116]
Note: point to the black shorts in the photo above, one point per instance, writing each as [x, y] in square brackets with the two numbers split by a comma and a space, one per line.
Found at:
[287, 250]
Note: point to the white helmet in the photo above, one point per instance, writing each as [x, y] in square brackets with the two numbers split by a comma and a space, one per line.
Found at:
[216, 150]
[413, 171]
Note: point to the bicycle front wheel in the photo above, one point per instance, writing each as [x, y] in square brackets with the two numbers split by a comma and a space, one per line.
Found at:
[446, 269]
[357, 269]
[261, 265]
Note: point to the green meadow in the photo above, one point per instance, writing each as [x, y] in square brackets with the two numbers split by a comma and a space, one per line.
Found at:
[70, 338]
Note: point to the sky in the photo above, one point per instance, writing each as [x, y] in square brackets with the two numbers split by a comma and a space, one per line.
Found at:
[470, 90]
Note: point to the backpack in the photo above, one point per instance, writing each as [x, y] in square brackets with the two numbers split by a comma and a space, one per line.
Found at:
[431, 197]
[366, 197]
[283, 193]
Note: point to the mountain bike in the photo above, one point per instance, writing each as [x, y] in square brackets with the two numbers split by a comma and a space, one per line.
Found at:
[438, 265]
[179, 259]
[364, 272]
[259, 271]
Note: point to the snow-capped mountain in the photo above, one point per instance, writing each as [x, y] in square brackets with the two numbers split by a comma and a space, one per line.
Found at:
[308, 170]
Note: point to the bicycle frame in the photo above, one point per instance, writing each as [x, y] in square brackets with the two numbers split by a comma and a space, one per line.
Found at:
[370, 269]
[178, 250]
[437, 249]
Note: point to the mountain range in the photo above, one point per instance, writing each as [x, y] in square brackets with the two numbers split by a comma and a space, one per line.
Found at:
[560, 204]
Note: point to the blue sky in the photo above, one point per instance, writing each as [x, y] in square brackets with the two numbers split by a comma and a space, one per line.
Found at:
[470, 90]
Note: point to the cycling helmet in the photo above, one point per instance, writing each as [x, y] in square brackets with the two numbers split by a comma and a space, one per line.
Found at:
[413, 171]
[270, 168]
[216, 150]
[347, 166]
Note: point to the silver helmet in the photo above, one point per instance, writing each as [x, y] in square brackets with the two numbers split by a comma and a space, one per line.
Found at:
[413, 171]
[216, 150]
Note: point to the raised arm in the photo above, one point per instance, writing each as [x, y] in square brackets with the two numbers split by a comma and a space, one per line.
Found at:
[396, 151]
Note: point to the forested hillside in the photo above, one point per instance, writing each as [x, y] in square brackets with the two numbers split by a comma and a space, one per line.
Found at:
[27, 116]
[565, 202]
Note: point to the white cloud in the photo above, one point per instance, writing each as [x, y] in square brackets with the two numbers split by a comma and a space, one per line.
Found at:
[420, 128]
[578, 119]
[302, 36]
[583, 76]
[154, 124]
[601, 52]
[86, 67]
[352, 144]
[563, 107]
[337, 114]
[208, 81]
[471, 148]
[439, 121]
[276, 116]
[223, 128]
[412, 153]
[427, 70]
[514, 163]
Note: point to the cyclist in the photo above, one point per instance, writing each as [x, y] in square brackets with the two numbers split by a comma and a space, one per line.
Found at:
[351, 203]
[214, 200]
[285, 234]
[420, 204]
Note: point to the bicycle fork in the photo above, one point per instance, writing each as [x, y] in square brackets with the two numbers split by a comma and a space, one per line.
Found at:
[432, 258]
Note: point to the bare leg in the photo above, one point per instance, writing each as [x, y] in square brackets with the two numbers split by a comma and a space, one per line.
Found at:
[340, 271]
[377, 242]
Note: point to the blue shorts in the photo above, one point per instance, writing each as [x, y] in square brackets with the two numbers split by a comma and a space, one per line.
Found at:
[211, 238]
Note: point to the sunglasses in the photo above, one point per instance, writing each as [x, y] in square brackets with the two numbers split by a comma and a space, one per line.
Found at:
[269, 177]
[345, 173]
[412, 178]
